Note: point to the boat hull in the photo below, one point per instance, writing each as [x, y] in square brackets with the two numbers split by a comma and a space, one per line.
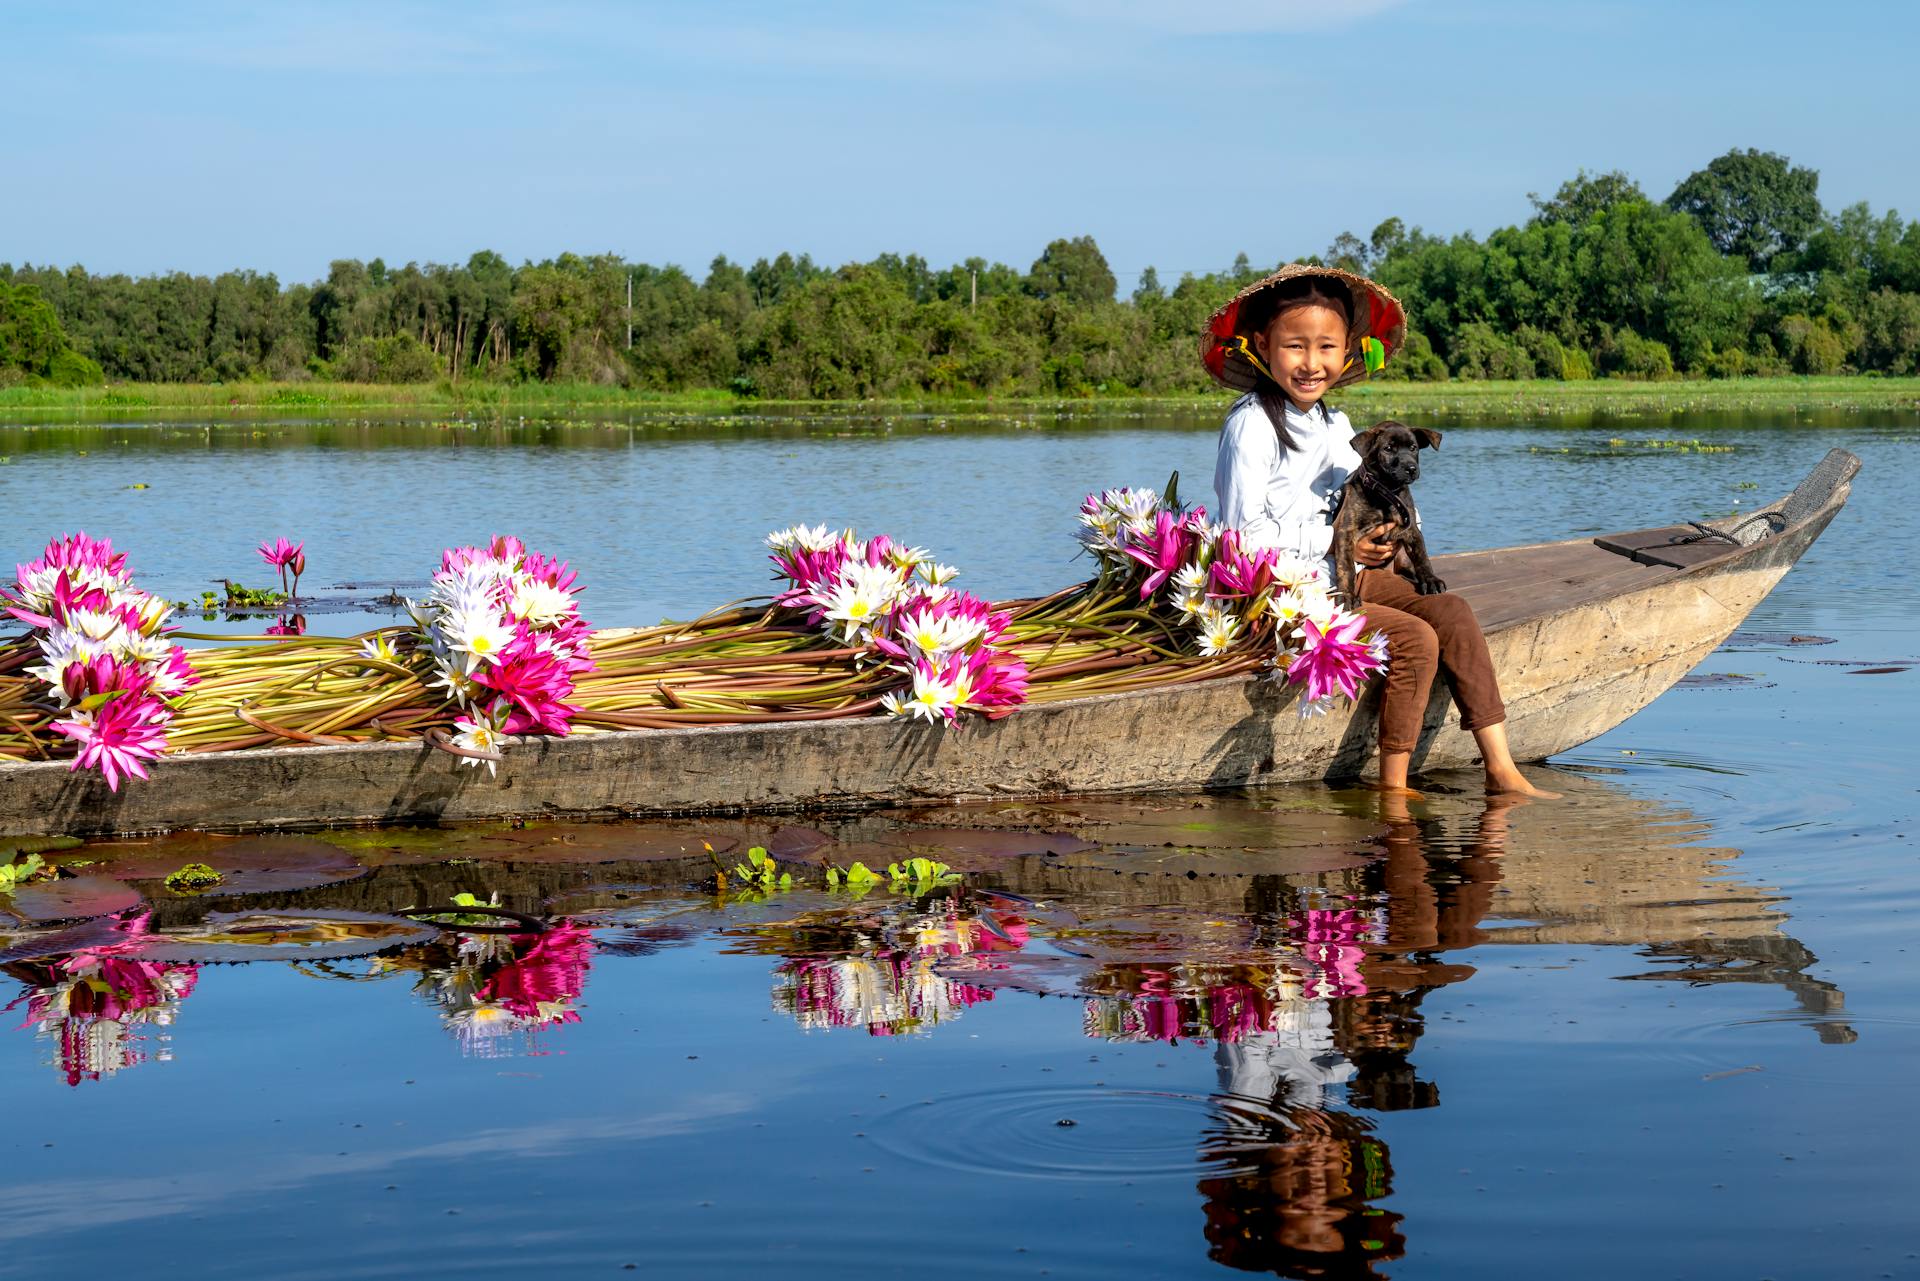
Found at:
[1595, 638]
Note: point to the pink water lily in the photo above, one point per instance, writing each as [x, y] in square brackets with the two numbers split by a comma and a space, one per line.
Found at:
[1333, 660]
[1163, 550]
[288, 558]
[535, 683]
[1236, 572]
[116, 737]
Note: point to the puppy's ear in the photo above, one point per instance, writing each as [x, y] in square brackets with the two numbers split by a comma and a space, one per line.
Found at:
[1427, 436]
[1366, 440]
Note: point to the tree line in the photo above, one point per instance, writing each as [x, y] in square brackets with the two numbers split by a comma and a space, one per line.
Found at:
[1739, 271]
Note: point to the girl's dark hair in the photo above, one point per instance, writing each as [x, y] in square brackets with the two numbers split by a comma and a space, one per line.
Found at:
[1265, 307]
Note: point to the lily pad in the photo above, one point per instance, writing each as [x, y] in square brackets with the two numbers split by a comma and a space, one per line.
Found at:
[72, 898]
[37, 844]
[987, 842]
[230, 938]
[603, 843]
[99, 932]
[796, 842]
[246, 865]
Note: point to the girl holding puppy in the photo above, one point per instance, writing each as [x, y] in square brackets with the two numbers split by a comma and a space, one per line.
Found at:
[1287, 341]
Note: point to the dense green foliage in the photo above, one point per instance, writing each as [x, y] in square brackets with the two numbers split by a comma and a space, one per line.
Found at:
[1738, 272]
[33, 346]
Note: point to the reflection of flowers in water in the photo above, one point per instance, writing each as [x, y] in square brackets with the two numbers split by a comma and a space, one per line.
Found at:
[1228, 1003]
[885, 981]
[497, 991]
[91, 1005]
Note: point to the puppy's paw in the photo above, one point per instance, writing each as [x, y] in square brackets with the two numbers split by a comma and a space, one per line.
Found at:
[1428, 585]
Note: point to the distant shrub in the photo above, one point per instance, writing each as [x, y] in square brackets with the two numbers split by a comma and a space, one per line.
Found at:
[1576, 365]
[1415, 362]
[1481, 352]
[1731, 363]
[401, 358]
[70, 369]
[1637, 357]
[1812, 345]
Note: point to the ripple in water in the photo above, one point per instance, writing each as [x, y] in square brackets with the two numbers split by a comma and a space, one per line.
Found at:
[1086, 1133]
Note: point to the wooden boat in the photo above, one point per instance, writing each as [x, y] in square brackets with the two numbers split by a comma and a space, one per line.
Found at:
[1584, 633]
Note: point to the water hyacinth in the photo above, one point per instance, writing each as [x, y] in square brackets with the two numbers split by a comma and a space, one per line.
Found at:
[503, 633]
[107, 666]
[1227, 595]
[898, 602]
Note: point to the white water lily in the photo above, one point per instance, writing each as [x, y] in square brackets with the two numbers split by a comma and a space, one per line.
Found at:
[380, 648]
[540, 603]
[144, 649]
[908, 558]
[860, 596]
[933, 697]
[477, 735]
[930, 635]
[1219, 628]
[478, 638]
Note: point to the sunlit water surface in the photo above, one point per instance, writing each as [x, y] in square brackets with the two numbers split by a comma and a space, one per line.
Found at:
[1666, 1027]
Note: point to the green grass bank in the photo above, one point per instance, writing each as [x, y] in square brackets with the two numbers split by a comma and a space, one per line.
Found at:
[1452, 399]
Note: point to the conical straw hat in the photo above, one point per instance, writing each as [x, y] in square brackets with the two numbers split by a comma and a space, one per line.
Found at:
[1228, 353]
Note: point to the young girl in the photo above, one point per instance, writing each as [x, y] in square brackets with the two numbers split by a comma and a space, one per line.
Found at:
[1284, 456]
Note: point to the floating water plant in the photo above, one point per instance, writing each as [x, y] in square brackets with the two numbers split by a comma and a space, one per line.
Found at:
[761, 872]
[18, 873]
[858, 877]
[752, 880]
[917, 873]
[193, 878]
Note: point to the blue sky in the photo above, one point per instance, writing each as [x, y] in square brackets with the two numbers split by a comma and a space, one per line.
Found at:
[278, 136]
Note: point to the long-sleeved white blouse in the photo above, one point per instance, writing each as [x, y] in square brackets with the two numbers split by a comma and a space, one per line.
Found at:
[1278, 497]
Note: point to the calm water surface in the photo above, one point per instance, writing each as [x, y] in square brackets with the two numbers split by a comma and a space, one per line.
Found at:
[1666, 1027]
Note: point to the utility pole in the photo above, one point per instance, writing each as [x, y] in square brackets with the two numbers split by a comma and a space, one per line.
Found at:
[629, 311]
[974, 300]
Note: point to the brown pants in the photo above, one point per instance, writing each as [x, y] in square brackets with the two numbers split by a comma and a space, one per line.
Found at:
[1424, 635]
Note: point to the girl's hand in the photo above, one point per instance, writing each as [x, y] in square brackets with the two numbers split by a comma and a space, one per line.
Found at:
[1375, 548]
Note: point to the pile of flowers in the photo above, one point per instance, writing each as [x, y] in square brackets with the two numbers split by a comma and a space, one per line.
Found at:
[1225, 594]
[897, 601]
[107, 664]
[506, 641]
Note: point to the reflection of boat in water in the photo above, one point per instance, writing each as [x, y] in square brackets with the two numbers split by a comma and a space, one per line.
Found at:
[1584, 633]
[1299, 951]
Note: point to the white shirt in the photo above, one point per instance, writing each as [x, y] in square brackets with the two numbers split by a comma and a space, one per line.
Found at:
[1279, 497]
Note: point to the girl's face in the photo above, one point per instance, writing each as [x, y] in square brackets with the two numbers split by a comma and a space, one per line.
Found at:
[1306, 348]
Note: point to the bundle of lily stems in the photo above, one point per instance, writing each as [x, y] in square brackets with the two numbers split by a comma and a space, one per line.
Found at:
[738, 666]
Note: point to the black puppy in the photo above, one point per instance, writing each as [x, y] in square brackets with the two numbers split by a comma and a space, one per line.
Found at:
[1377, 495]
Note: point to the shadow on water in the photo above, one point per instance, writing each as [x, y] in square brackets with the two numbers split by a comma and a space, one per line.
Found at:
[1296, 932]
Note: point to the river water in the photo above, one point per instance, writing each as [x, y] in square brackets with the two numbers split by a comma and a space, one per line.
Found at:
[1665, 1027]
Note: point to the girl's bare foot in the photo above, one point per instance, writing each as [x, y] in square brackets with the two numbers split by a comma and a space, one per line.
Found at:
[1503, 776]
[1393, 774]
[1511, 782]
